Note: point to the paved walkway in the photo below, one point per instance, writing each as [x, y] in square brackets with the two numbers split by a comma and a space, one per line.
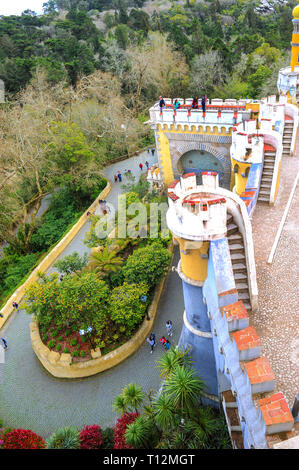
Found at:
[276, 321]
[31, 398]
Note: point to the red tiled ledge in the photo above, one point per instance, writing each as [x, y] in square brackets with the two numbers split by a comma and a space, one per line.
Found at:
[276, 413]
[236, 315]
[248, 343]
[260, 374]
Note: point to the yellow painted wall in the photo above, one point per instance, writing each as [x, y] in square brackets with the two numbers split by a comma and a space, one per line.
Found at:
[192, 264]
[240, 181]
[277, 182]
[295, 50]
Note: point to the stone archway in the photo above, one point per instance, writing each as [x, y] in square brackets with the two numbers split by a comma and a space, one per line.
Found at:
[198, 161]
[219, 150]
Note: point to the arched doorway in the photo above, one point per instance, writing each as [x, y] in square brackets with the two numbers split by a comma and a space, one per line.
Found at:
[198, 161]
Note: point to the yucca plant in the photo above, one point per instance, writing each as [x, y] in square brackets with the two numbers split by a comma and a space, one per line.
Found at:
[170, 360]
[64, 438]
[105, 263]
[139, 433]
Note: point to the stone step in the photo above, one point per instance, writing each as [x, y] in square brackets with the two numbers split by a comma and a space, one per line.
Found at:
[242, 287]
[267, 178]
[232, 228]
[235, 237]
[265, 186]
[268, 158]
[264, 194]
[240, 277]
[236, 248]
[263, 199]
[237, 258]
[229, 218]
[240, 268]
[244, 296]
[268, 166]
[268, 153]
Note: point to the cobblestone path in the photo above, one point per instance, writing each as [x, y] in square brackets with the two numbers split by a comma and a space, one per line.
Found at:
[276, 321]
[32, 399]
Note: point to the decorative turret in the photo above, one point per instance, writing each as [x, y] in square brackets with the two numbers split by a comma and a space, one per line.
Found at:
[295, 39]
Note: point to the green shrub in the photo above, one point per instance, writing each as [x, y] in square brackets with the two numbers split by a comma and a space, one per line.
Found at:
[83, 339]
[67, 332]
[82, 354]
[44, 330]
[147, 264]
[60, 338]
[108, 438]
[51, 343]
[126, 307]
[74, 328]
[54, 333]
[64, 438]
[58, 347]
[45, 338]
[73, 342]
[66, 350]
[75, 353]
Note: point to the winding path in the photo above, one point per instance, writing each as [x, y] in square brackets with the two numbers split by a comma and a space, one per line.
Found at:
[31, 398]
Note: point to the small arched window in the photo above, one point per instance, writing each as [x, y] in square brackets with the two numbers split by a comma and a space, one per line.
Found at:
[236, 168]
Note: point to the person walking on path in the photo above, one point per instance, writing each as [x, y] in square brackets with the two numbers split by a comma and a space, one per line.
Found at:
[153, 151]
[140, 166]
[1, 316]
[4, 342]
[115, 179]
[119, 176]
[167, 345]
[147, 164]
[163, 341]
[151, 343]
[169, 327]
[153, 337]
[15, 305]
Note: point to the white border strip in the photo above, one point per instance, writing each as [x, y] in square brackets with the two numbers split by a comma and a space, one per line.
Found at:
[204, 334]
[274, 246]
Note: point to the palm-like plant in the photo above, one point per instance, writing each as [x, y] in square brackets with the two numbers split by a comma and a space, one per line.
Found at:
[170, 360]
[119, 404]
[184, 387]
[139, 433]
[133, 396]
[64, 438]
[164, 411]
[105, 263]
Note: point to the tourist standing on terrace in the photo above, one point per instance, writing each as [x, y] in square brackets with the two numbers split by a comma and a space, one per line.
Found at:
[176, 105]
[194, 104]
[203, 103]
[140, 166]
[161, 103]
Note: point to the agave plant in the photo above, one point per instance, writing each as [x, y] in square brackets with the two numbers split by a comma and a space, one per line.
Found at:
[64, 438]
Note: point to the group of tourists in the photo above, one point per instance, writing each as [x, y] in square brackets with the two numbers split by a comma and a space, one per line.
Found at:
[164, 342]
[176, 104]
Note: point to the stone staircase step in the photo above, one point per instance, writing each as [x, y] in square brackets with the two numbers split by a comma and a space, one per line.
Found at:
[232, 228]
[242, 288]
[237, 258]
[263, 199]
[240, 277]
[236, 248]
[235, 237]
[240, 268]
[244, 296]
[264, 192]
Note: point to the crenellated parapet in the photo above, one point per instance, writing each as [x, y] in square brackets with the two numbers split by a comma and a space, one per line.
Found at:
[254, 413]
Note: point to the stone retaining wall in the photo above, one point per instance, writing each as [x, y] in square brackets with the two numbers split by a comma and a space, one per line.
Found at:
[50, 258]
[60, 365]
